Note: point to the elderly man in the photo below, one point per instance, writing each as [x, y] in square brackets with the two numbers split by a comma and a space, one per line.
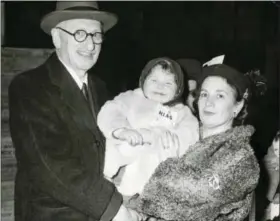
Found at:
[59, 149]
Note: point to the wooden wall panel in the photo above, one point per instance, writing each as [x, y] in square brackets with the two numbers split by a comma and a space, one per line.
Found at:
[13, 61]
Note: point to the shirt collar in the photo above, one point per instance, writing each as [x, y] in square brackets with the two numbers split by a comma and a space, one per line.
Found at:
[78, 81]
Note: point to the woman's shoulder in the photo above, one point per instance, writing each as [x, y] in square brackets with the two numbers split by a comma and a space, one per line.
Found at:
[237, 148]
[234, 143]
[235, 135]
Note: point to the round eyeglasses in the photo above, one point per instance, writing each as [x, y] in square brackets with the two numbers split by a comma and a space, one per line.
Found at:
[81, 35]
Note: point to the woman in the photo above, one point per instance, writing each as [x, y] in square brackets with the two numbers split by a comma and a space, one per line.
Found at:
[216, 177]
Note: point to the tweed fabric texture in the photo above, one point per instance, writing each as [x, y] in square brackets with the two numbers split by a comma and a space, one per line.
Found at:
[213, 180]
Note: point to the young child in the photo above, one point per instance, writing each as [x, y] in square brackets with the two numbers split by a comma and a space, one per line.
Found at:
[271, 162]
[145, 126]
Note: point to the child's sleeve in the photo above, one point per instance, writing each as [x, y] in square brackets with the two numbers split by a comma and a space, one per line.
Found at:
[113, 114]
[187, 131]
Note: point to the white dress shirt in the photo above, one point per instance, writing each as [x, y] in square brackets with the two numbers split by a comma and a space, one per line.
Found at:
[76, 78]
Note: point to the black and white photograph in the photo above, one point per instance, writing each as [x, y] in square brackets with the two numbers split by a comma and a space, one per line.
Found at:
[140, 110]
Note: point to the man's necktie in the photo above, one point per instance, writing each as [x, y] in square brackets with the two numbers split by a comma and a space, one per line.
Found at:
[85, 91]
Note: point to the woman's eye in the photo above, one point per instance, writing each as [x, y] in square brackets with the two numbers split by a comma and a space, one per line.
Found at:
[220, 96]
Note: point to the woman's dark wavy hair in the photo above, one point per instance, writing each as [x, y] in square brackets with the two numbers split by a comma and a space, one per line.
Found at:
[256, 88]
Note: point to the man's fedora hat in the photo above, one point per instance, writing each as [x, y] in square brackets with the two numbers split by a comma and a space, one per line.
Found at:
[66, 10]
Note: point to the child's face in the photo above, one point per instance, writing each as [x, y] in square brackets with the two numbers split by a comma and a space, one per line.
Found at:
[275, 146]
[160, 85]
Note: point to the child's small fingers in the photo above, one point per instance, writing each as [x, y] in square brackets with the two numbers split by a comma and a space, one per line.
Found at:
[140, 139]
[132, 140]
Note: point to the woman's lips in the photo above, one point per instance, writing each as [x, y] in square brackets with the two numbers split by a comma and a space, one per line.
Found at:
[208, 113]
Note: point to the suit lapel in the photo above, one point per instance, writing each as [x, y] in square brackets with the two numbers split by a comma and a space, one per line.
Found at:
[71, 94]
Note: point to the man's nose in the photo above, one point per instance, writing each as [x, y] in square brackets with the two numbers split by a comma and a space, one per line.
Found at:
[90, 44]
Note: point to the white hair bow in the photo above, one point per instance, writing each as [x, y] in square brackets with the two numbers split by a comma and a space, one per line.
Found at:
[216, 60]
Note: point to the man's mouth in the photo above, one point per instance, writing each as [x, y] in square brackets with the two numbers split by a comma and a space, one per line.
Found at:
[85, 54]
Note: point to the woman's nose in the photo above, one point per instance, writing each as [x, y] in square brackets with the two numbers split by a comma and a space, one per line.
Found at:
[209, 102]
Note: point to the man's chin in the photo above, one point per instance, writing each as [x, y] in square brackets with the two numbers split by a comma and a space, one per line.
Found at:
[86, 66]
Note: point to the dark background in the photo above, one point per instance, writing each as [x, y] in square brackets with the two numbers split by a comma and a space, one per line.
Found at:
[246, 32]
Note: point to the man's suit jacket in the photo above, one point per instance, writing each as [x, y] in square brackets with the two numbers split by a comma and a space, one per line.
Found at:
[59, 149]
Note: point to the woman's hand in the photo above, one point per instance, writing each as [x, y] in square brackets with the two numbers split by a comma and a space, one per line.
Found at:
[169, 140]
[170, 145]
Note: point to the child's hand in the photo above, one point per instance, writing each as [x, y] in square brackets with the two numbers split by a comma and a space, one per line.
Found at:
[133, 137]
[147, 135]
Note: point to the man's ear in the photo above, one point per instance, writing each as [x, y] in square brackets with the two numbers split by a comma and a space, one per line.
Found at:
[238, 106]
[56, 38]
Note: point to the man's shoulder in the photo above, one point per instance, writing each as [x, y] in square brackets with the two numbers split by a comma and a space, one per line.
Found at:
[28, 79]
[31, 73]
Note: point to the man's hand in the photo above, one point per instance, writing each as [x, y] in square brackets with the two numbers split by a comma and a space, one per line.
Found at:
[126, 214]
[133, 137]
